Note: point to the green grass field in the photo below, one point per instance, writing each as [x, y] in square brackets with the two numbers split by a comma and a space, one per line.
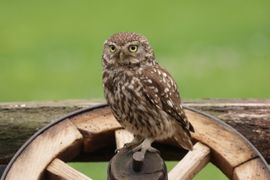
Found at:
[51, 50]
[99, 170]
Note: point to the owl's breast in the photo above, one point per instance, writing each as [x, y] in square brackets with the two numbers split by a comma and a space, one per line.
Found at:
[126, 96]
[122, 90]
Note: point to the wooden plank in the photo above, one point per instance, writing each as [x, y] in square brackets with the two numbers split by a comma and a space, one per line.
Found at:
[191, 164]
[228, 149]
[34, 159]
[251, 170]
[19, 120]
[63, 171]
[122, 137]
[97, 126]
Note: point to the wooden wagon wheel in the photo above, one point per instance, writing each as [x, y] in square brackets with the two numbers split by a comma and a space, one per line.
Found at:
[43, 156]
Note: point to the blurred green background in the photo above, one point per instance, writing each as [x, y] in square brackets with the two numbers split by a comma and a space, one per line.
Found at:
[51, 50]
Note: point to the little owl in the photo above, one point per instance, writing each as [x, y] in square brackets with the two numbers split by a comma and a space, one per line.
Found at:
[142, 95]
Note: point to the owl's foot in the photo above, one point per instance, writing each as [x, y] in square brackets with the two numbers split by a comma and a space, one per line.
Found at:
[149, 149]
[127, 146]
[145, 146]
[136, 141]
[130, 145]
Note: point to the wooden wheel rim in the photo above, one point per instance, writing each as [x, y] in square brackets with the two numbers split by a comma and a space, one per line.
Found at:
[230, 166]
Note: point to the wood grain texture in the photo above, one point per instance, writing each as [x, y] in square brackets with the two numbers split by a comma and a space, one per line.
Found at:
[19, 120]
[249, 117]
[228, 150]
[60, 170]
[35, 157]
[191, 164]
[251, 170]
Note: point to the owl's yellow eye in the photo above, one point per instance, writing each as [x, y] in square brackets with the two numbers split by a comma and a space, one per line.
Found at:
[133, 48]
[112, 48]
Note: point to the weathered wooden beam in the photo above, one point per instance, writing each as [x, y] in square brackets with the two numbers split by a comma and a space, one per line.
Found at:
[60, 170]
[191, 164]
[18, 121]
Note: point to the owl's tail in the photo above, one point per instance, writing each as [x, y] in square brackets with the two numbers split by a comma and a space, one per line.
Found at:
[182, 137]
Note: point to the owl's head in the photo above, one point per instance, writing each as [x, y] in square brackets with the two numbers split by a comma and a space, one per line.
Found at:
[127, 49]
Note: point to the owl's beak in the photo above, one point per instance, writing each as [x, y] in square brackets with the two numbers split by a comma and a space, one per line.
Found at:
[121, 56]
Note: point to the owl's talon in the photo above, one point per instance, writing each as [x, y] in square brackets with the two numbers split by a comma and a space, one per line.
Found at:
[137, 148]
[145, 146]
[149, 149]
[153, 150]
[129, 145]
[135, 142]
[117, 150]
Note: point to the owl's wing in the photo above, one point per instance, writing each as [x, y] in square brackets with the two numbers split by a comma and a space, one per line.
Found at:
[161, 90]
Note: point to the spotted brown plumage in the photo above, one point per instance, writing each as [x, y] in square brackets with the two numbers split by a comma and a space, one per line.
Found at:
[142, 95]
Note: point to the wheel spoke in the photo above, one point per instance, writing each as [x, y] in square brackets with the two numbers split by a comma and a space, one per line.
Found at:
[61, 170]
[44, 149]
[191, 164]
[122, 137]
